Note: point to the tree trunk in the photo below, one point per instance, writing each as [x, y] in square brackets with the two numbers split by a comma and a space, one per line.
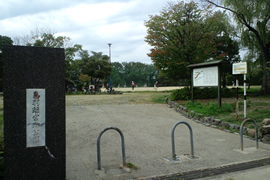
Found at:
[266, 58]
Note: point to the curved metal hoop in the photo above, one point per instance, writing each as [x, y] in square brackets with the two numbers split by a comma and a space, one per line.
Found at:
[122, 141]
[191, 139]
[256, 133]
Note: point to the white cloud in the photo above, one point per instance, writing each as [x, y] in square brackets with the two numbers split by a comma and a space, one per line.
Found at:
[92, 24]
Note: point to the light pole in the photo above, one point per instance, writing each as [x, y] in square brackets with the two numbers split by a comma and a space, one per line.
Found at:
[110, 62]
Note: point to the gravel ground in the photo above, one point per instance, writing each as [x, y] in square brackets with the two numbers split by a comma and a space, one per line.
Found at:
[147, 131]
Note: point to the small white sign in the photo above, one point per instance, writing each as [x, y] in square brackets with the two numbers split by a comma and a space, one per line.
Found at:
[35, 117]
[239, 68]
[207, 76]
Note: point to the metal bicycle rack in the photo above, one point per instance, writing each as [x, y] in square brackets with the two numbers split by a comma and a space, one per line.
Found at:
[122, 141]
[256, 133]
[191, 140]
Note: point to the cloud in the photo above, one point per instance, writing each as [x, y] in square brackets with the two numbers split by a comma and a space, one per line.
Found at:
[92, 24]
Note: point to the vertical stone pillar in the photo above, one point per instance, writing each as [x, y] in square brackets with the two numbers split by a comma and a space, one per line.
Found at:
[34, 113]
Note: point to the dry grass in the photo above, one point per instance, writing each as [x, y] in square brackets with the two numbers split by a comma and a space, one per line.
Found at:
[115, 99]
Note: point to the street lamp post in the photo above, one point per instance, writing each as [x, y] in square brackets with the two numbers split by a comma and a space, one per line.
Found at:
[110, 62]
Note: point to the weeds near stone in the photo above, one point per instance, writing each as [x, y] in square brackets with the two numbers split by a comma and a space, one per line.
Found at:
[132, 166]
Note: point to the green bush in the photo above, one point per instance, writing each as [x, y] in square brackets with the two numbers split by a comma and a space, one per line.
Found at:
[200, 93]
[181, 94]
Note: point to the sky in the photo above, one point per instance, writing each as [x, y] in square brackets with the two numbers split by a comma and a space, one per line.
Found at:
[90, 23]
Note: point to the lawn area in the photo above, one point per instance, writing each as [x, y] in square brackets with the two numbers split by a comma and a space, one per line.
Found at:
[258, 107]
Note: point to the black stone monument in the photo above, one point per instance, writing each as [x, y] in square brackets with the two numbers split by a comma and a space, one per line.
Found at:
[34, 68]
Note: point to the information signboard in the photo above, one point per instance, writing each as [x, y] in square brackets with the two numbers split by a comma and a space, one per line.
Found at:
[207, 76]
[239, 68]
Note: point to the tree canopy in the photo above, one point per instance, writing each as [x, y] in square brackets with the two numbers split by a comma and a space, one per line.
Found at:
[4, 40]
[126, 72]
[182, 34]
[253, 28]
[97, 66]
[44, 37]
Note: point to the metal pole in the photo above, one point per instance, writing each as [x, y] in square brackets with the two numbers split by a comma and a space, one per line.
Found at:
[191, 85]
[245, 97]
[219, 87]
[236, 96]
[110, 62]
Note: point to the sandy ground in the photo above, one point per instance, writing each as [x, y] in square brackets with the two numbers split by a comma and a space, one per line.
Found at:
[146, 88]
[147, 132]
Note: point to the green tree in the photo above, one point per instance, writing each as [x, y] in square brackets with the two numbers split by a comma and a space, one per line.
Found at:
[181, 35]
[133, 71]
[44, 37]
[4, 40]
[97, 66]
[166, 81]
[253, 26]
[117, 74]
[72, 66]
[228, 50]
[152, 74]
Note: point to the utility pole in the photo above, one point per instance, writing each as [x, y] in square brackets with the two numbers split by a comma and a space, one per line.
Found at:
[110, 62]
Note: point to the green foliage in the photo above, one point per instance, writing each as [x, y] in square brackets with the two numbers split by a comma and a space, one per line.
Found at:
[180, 35]
[165, 80]
[181, 94]
[200, 93]
[253, 26]
[132, 166]
[210, 109]
[140, 73]
[4, 40]
[96, 66]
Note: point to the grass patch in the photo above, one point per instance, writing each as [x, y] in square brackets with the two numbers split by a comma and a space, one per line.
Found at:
[159, 98]
[132, 166]
[258, 108]
[252, 90]
[209, 108]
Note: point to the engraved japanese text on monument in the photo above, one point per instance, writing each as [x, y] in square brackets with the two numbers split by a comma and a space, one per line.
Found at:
[35, 107]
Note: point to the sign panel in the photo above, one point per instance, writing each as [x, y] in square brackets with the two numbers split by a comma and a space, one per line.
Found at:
[239, 68]
[207, 76]
[35, 117]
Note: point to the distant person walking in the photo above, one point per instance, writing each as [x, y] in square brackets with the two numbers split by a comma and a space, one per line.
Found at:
[156, 86]
[132, 85]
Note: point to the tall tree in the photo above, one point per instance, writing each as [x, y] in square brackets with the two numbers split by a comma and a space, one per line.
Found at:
[4, 40]
[97, 66]
[44, 37]
[228, 50]
[117, 74]
[253, 25]
[181, 35]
